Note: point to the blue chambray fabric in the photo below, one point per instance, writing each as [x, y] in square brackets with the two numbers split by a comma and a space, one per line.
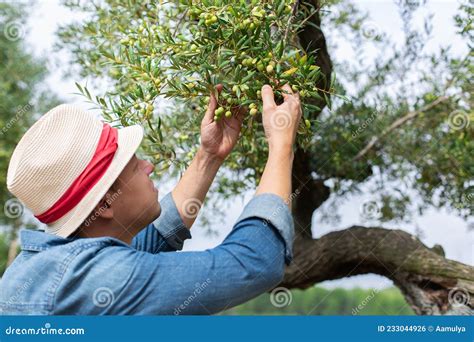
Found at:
[95, 276]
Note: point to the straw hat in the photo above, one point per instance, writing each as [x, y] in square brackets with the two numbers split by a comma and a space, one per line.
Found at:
[54, 152]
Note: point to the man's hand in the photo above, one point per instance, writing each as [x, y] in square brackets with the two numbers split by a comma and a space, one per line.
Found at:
[217, 141]
[218, 138]
[280, 124]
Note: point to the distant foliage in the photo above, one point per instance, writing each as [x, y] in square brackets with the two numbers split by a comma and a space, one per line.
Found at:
[321, 301]
[22, 99]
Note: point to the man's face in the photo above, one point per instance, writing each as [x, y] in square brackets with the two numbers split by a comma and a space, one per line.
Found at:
[135, 204]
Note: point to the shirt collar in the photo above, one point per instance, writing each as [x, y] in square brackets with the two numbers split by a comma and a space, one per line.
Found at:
[37, 240]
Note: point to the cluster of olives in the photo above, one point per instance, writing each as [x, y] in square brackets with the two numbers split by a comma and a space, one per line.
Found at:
[264, 64]
[237, 40]
[146, 108]
[257, 12]
[208, 18]
[220, 111]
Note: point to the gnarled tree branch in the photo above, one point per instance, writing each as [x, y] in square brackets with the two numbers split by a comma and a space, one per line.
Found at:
[430, 283]
[397, 123]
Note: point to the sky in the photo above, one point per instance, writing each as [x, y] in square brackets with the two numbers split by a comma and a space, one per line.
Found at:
[438, 226]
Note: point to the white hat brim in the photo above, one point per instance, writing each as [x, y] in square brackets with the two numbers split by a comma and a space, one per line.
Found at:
[129, 140]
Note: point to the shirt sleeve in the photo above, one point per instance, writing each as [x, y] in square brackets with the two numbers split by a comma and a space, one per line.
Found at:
[124, 281]
[273, 210]
[250, 261]
[166, 233]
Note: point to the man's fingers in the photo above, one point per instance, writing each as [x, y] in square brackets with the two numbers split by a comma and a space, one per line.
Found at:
[211, 107]
[241, 111]
[219, 88]
[213, 97]
[267, 97]
[287, 92]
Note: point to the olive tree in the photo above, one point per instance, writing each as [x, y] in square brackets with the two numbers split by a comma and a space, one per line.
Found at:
[399, 124]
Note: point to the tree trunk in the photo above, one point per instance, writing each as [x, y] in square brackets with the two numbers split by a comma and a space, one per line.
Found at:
[430, 283]
[311, 192]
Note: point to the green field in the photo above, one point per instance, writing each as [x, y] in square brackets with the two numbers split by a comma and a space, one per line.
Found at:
[322, 301]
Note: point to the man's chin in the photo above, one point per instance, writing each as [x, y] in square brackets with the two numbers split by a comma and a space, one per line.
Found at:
[158, 212]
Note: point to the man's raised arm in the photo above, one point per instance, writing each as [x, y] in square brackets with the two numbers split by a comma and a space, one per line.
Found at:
[217, 141]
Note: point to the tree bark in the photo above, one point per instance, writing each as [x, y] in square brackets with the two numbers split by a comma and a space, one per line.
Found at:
[430, 283]
[311, 192]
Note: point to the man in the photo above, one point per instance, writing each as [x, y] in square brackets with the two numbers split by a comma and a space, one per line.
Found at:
[82, 179]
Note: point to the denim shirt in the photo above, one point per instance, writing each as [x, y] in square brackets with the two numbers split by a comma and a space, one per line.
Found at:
[95, 276]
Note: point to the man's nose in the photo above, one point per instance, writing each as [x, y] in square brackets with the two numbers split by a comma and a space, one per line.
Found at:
[149, 168]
